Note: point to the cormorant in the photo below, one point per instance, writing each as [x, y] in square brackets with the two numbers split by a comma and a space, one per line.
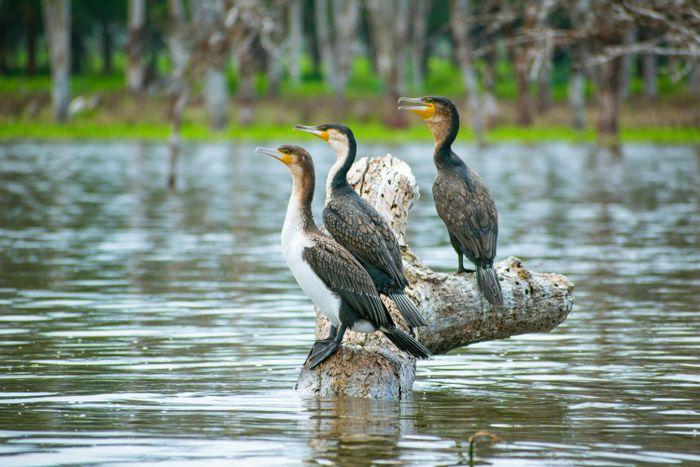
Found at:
[463, 201]
[337, 284]
[359, 227]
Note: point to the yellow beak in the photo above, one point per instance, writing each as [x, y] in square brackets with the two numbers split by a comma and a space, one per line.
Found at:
[424, 109]
[323, 134]
[286, 159]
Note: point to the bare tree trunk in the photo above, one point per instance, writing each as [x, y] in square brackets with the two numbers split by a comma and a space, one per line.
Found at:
[208, 15]
[179, 102]
[520, 56]
[649, 71]
[325, 44]
[419, 28]
[179, 52]
[543, 61]
[296, 38]
[180, 91]
[580, 19]
[216, 97]
[609, 74]
[523, 116]
[457, 314]
[135, 46]
[627, 65]
[246, 85]
[489, 86]
[460, 23]
[379, 15]
[345, 27]
[544, 86]
[382, 21]
[273, 45]
[577, 99]
[694, 79]
[609, 101]
[57, 17]
[401, 23]
[335, 38]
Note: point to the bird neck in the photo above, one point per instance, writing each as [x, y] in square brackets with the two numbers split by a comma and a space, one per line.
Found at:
[338, 175]
[444, 133]
[299, 215]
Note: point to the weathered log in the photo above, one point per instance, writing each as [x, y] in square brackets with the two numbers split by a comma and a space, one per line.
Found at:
[368, 365]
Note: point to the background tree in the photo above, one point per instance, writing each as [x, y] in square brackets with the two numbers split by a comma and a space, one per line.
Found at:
[418, 37]
[388, 24]
[135, 68]
[460, 24]
[336, 28]
[580, 17]
[57, 19]
[215, 89]
[295, 26]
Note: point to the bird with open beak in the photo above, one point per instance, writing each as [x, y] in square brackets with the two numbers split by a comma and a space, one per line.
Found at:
[462, 199]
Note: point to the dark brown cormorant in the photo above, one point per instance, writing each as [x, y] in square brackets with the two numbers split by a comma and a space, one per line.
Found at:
[359, 227]
[463, 201]
[337, 284]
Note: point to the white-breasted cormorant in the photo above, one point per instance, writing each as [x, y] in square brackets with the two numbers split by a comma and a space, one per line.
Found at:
[337, 284]
[463, 201]
[359, 227]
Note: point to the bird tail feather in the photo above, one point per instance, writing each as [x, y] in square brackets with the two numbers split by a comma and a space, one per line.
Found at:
[408, 310]
[407, 343]
[488, 283]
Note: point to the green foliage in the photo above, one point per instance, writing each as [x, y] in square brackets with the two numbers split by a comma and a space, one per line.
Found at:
[443, 78]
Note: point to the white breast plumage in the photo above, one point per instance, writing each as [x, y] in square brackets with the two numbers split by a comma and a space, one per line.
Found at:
[294, 241]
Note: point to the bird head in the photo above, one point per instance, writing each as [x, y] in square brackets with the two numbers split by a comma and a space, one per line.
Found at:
[339, 136]
[438, 112]
[297, 159]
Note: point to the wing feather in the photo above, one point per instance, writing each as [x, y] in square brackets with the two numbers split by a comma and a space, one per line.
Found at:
[341, 272]
[362, 230]
[466, 206]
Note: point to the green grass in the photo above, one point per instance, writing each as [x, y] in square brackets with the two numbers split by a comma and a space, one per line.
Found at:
[370, 132]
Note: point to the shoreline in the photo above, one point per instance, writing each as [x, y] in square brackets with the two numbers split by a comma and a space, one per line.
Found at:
[365, 132]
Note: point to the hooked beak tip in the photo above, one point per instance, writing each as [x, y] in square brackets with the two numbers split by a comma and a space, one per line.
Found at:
[267, 152]
[409, 103]
[306, 128]
[313, 130]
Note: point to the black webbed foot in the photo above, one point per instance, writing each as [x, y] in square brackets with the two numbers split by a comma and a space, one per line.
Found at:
[321, 351]
[463, 270]
[316, 347]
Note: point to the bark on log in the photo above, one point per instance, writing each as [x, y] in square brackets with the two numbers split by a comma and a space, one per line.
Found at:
[368, 365]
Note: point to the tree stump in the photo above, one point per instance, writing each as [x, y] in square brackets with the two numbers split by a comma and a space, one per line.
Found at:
[368, 365]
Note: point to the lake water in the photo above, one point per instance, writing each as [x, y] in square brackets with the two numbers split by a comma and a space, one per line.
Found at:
[142, 325]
